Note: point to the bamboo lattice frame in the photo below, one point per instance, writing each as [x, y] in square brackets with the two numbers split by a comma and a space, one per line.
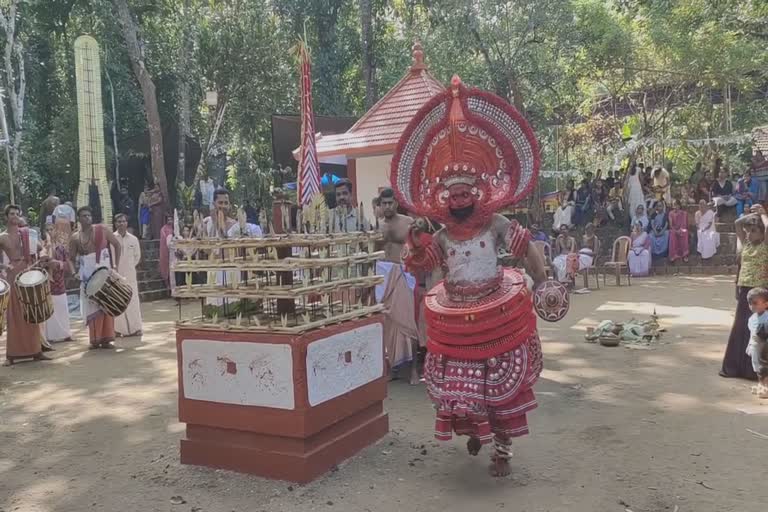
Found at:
[328, 280]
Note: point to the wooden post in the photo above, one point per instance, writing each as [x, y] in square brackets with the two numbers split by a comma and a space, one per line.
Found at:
[279, 207]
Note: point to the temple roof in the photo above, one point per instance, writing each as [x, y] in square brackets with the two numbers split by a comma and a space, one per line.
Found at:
[378, 131]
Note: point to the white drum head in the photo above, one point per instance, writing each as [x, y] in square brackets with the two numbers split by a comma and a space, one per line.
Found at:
[97, 280]
[31, 277]
[4, 287]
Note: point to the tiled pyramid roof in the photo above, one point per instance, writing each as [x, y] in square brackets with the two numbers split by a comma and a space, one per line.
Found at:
[378, 131]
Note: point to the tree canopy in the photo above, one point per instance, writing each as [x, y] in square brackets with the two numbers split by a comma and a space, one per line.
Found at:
[587, 73]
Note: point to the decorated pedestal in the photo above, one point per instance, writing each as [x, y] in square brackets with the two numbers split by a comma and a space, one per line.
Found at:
[285, 376]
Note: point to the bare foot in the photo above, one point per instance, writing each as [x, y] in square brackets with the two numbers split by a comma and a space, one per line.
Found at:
[473, 446]
[414, 381]
[107, 344]
[8, 362]
[499, 467]
[42, 357]
[94, 347]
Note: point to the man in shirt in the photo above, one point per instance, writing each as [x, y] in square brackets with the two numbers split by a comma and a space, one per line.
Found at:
[747, 191]
[615, 203]
[722, 192]
[345, 214]
[129, 323]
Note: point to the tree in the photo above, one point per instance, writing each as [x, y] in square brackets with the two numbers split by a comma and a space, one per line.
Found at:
[15, 80]
[135, 45]
[369, 64]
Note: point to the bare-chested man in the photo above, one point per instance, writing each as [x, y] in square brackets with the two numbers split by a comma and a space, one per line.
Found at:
[89, 248]
[24, 339]
[401, 334]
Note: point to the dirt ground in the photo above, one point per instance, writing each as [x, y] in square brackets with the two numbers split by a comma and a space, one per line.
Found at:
[617, 429]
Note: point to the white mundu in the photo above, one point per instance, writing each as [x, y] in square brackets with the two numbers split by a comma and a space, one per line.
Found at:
[129, 323]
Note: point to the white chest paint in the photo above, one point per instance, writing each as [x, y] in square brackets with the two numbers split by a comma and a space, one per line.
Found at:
[254, 374]
[472, 261]
[345, 361]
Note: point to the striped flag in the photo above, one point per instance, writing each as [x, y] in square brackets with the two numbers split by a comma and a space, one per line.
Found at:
[309, 168]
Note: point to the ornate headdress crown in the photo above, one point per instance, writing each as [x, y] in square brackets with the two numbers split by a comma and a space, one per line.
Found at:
[464, 136]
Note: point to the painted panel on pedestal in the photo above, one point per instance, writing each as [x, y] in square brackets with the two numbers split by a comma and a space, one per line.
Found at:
[340, 363]
[252, 374]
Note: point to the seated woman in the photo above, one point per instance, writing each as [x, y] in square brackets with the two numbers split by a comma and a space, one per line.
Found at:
[565, 261]
[678, 233]
[659, 231]
[640, 217]
[639, 253]
[708, 237]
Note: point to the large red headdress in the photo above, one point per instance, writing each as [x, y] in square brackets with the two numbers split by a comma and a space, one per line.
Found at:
[464, 136]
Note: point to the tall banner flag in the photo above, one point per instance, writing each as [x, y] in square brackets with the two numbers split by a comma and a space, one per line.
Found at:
[309, 168]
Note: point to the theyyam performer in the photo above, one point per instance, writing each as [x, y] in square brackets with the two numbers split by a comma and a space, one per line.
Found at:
[466, 155]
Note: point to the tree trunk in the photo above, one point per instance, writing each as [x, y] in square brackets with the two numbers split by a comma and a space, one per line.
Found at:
[369, 65]
[15, 83]
[184, 113]
[136, 56]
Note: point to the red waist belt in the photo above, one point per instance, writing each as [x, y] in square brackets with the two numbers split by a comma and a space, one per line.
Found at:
[484, 328]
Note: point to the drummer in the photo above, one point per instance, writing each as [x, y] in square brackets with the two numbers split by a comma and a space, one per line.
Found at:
[24, 340]
[89, 248]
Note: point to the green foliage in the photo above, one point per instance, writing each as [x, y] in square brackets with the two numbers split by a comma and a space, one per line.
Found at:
[597, 69]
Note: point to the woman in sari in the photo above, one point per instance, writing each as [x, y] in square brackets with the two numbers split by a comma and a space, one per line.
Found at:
[659, 231]
[678, 233]
[639, 252]
[640, 217]
[565, 262]
[753, 272]
[708, 237]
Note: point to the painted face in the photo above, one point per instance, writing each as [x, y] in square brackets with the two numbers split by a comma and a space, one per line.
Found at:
[461, 200]
[388, 207]
[121, 224]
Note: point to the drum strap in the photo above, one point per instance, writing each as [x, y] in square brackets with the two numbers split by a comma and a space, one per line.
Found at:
[24, 235]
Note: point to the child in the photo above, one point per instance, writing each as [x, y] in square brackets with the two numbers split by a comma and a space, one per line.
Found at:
[758, 330]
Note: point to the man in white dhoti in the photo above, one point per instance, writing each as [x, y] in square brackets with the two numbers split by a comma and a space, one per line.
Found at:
[57, 327]
[401, 333]
[90, 248]
[129, 323]
[634, 191]
[221, 225]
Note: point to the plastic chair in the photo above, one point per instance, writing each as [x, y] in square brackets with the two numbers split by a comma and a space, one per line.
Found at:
[619, 260]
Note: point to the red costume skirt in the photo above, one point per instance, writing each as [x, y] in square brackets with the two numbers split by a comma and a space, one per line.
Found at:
[487, 397]
[484, 358]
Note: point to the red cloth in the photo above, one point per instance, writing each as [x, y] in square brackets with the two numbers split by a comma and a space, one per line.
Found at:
[165, 269]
